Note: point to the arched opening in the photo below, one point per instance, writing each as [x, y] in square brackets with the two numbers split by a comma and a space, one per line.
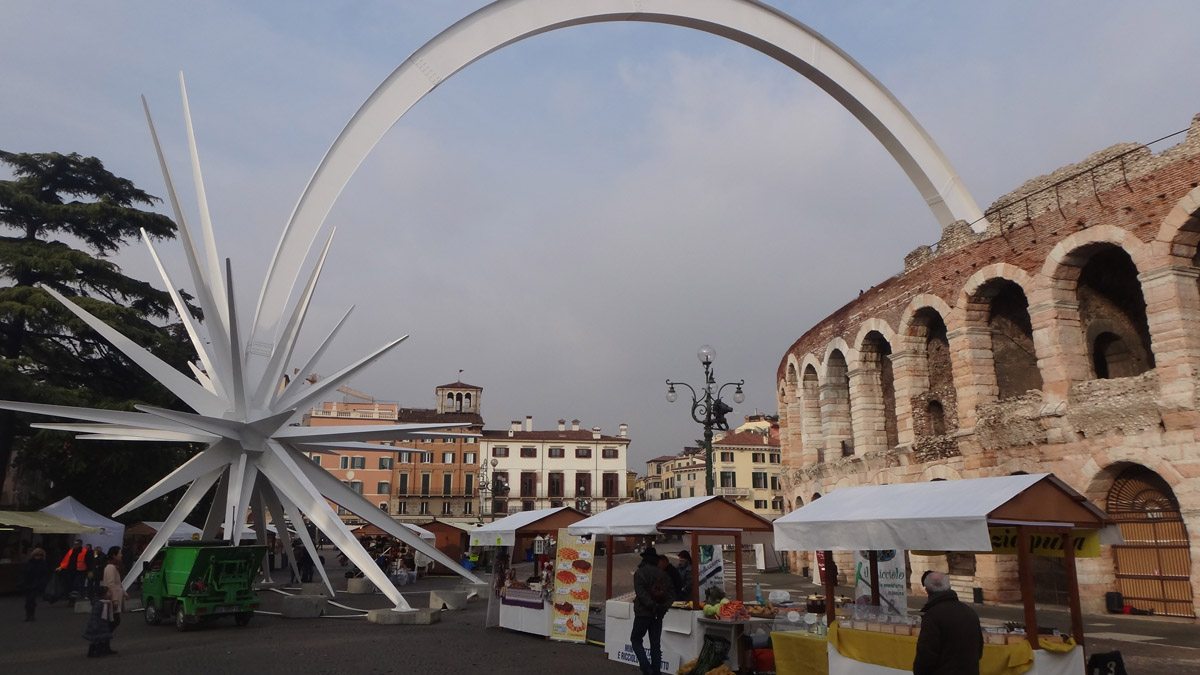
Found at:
[874, 405]
[1013, 355]
[937, 420]
[835, 405]
[812, 430]
[458, 403]
[467, 403]
[1153, 566]
[1112, 313]
[934, 408]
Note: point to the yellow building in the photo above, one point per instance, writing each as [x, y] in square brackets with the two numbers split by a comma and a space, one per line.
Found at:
[746, 469]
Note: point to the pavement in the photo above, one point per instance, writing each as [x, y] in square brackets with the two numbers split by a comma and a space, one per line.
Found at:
[344, 642]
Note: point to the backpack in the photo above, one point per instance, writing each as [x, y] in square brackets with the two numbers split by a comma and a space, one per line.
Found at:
[660, 590]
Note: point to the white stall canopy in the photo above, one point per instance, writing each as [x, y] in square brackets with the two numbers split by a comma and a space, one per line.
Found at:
[636, 517]
[503, 532]
[184, 531]
[373, 531]
[111, 532]
[933, 516]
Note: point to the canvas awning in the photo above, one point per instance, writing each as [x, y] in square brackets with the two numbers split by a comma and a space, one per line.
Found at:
[372, 531]
[504, 532]
[934, 516]
[44, 523]
[111, 532]
[695, 514]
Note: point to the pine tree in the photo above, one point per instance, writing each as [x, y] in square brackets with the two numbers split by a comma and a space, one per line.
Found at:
[61, 217]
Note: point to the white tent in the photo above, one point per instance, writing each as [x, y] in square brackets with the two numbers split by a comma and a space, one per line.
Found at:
[370, 530]
[933, 516]
[503, 532]
[635, 517]
[111, 532]
[184, 531]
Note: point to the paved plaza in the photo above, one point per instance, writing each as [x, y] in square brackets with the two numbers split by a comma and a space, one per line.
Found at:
[344, 642]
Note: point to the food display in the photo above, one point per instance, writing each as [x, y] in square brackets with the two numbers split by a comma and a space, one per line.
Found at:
[580, 594]
[564, 608]
[573, 568]
[568, 553]
[566, 577]
[581, 566]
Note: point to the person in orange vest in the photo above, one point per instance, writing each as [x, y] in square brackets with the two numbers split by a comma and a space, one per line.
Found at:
[75, 564]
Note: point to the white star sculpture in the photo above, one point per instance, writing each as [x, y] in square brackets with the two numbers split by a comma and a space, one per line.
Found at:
[244, 413]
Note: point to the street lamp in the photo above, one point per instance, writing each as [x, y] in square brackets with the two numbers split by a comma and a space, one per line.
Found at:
[707, 407]
[485, 486]
[495, 485]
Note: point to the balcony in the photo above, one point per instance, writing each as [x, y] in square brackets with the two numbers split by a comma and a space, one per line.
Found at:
[734, 492]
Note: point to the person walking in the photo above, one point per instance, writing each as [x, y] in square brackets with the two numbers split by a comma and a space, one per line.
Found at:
[951, 642]
[115, 592]
[74, 567]
[98, 632]
[34, 575]
[653, 596]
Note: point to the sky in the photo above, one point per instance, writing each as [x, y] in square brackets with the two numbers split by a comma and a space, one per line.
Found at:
[570, 218]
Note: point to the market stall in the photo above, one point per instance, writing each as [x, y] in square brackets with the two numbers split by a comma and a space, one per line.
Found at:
[716, 520]
[20, 531]
[523, 604]
[1016, 514]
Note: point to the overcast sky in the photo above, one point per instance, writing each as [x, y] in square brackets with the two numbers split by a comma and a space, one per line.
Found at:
[570, 218]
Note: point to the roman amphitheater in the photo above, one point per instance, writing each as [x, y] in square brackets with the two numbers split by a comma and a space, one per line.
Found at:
[1065, 338]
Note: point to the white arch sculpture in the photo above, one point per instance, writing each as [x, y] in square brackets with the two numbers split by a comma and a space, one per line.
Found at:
[505, 22]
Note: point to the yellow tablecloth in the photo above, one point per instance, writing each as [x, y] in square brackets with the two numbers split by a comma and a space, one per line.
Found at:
[799, 653]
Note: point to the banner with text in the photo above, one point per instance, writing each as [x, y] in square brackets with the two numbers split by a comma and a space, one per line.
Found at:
[1046, 544]
[573, 568]
[711, 568]
[893, 582]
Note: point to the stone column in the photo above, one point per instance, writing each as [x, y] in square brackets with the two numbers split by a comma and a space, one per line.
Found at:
[910, 375]
[1173, 316]
[867, 408]
[971, 359]
[1058, 341]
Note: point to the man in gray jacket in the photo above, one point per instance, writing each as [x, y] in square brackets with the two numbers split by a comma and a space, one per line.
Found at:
[653, 596]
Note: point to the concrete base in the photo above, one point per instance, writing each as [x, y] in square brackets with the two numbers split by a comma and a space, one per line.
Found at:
[447, 600]
[360, 586]
[303, 606]
[267, 585]
[476, 591]
[416, 617]
[314, 588]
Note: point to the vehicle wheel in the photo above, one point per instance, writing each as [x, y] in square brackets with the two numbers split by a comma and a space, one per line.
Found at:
[181, 623]
[152, 614]
[242, 618]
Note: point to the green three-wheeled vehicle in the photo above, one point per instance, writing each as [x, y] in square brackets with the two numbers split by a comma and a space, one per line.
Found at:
[195, 581]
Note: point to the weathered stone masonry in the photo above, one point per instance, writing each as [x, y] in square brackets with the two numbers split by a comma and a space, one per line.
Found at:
[1064, 338]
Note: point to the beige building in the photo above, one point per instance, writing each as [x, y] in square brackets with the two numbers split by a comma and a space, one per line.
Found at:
[746, 469]
[1064, 338]
[582, 468]
[370, 473]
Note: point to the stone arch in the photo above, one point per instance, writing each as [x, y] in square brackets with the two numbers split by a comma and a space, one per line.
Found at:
[932, 393]
[1017, 465]
[792, 413]
[873, 394]
[1062, 263]
[939, 472]
[812, 431]
[1180, 230]
[506, 22]
[835, 404]
[1000, 359]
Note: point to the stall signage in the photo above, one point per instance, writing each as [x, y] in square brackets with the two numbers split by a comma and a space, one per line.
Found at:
[711, 568]
[573, 567]
[1046, 544]
[893, 582]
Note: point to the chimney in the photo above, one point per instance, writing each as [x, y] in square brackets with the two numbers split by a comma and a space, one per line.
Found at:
[562, 425]
[624, 429]
[513, 427]
[595, 433]
[529, 423]
[574, 425]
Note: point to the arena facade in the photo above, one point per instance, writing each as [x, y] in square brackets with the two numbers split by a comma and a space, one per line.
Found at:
[1064, 338]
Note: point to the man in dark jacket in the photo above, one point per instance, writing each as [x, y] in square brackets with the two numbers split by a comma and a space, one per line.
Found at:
[685, 574]
[664, 564]
[653, 595]
[951, 642]
[34, 575]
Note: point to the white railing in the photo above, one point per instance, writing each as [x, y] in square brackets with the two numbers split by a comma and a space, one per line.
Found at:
[732, 492]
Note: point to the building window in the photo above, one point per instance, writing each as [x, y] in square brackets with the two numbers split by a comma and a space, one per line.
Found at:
[583, 485]
[774, 457]
[691, 476]
[726, 456]
[758, 457]
[554, 503]
[527, 505]
[425, 479]
[405, 457]
[358, 462]
[759, 480]
[500, 452]
[528, 452]
[447, 458]
[583, 453]
[728, 479]
[385, 462]
[424, 508]
[468, 440]
[469, 484]
[316, 460]
[402, 489]
[342, 511]
[528, 484]
[609, 485]
[345, 462]
[356, 485]
[557, 453]
[760, 504]
[468, 508]
[447, 508]
[447, 484]
[693, 492]
[469, 458]
[774, 482]
[448, 440]
[556, 485]
[427, 458]
[383, 507]
[426, 440]
[777, 503]
[609, 453]
[384, 487]
[401, 508]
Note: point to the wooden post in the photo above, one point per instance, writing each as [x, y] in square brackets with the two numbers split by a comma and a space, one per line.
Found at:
[695, 547]
[737, 564]
[1025, 572]
[1073, 587]
[608, 566]
[830, 582]
[873, 557]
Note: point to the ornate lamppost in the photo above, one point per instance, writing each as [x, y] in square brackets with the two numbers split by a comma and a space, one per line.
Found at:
[494, 485]
[707, 407]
